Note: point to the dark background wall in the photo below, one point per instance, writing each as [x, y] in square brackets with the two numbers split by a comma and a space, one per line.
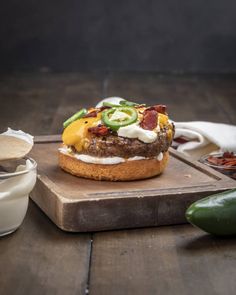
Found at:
[75, 35]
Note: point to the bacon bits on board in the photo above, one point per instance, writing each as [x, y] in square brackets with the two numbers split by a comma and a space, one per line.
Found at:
[227, 159]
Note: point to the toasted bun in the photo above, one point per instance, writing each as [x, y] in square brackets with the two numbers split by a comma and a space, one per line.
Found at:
[130, 170]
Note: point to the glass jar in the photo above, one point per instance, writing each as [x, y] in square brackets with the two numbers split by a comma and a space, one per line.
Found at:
[17, 179]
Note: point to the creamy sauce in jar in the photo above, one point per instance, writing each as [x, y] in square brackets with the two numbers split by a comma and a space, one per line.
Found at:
[17, 178]
[14, 194]
[19, 134]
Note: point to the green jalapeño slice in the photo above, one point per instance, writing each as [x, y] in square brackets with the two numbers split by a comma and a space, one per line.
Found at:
[109, 104]
[117, 117]
[75, 117]
[128, 103]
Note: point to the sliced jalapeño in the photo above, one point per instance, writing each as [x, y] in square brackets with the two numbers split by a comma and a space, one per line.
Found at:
[117, 117]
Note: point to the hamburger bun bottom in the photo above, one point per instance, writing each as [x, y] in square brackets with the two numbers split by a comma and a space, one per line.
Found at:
[130, 170]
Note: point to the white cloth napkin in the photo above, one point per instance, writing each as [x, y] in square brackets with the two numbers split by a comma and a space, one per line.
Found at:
[205, 137]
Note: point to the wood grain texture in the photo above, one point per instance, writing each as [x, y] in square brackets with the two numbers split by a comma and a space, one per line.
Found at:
[177, 260]
[71, 201]
[39, 258]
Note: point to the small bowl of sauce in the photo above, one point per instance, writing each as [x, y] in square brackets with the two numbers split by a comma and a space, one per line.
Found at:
[17, 179]
[222, 162]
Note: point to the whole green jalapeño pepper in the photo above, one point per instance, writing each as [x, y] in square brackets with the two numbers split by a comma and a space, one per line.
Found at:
[117, 117]
[215, 214]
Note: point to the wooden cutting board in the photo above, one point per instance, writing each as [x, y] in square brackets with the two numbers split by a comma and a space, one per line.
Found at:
[80, 205]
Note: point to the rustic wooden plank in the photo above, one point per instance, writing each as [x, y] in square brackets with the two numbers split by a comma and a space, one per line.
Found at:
[41, 259]
[46, 155]
[166, 260]
[156, 201]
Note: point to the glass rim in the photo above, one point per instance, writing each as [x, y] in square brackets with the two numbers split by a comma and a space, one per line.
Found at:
[18, 173]
[203, 160]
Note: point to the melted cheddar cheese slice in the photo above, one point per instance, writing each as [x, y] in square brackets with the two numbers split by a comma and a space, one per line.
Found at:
[77, 135]
[163, 121]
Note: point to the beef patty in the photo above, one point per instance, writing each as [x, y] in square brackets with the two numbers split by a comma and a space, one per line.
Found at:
[115, 146]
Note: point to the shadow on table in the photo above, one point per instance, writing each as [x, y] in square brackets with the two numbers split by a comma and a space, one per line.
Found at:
[207, 242]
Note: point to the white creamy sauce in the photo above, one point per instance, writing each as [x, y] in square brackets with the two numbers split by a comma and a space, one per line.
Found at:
[14, 197]
[135, 131]
[98, 160]
[65, 150]
[105, 160]
[160, 157]
[14, 191]
[136, 158]
[19, 134]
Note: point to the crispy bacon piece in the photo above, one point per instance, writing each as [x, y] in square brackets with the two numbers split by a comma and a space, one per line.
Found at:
[100, 130]
[227, 160]
[149, 121]
[229, 155]
[104, 108]
[214, 160]
[91, 114]
[231, 163]
[160, 108]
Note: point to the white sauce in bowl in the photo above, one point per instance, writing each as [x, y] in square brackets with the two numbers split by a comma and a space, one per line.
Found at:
[17, 179]
[19, 134]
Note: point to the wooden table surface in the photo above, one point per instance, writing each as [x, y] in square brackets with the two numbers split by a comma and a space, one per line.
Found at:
[41, 259]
